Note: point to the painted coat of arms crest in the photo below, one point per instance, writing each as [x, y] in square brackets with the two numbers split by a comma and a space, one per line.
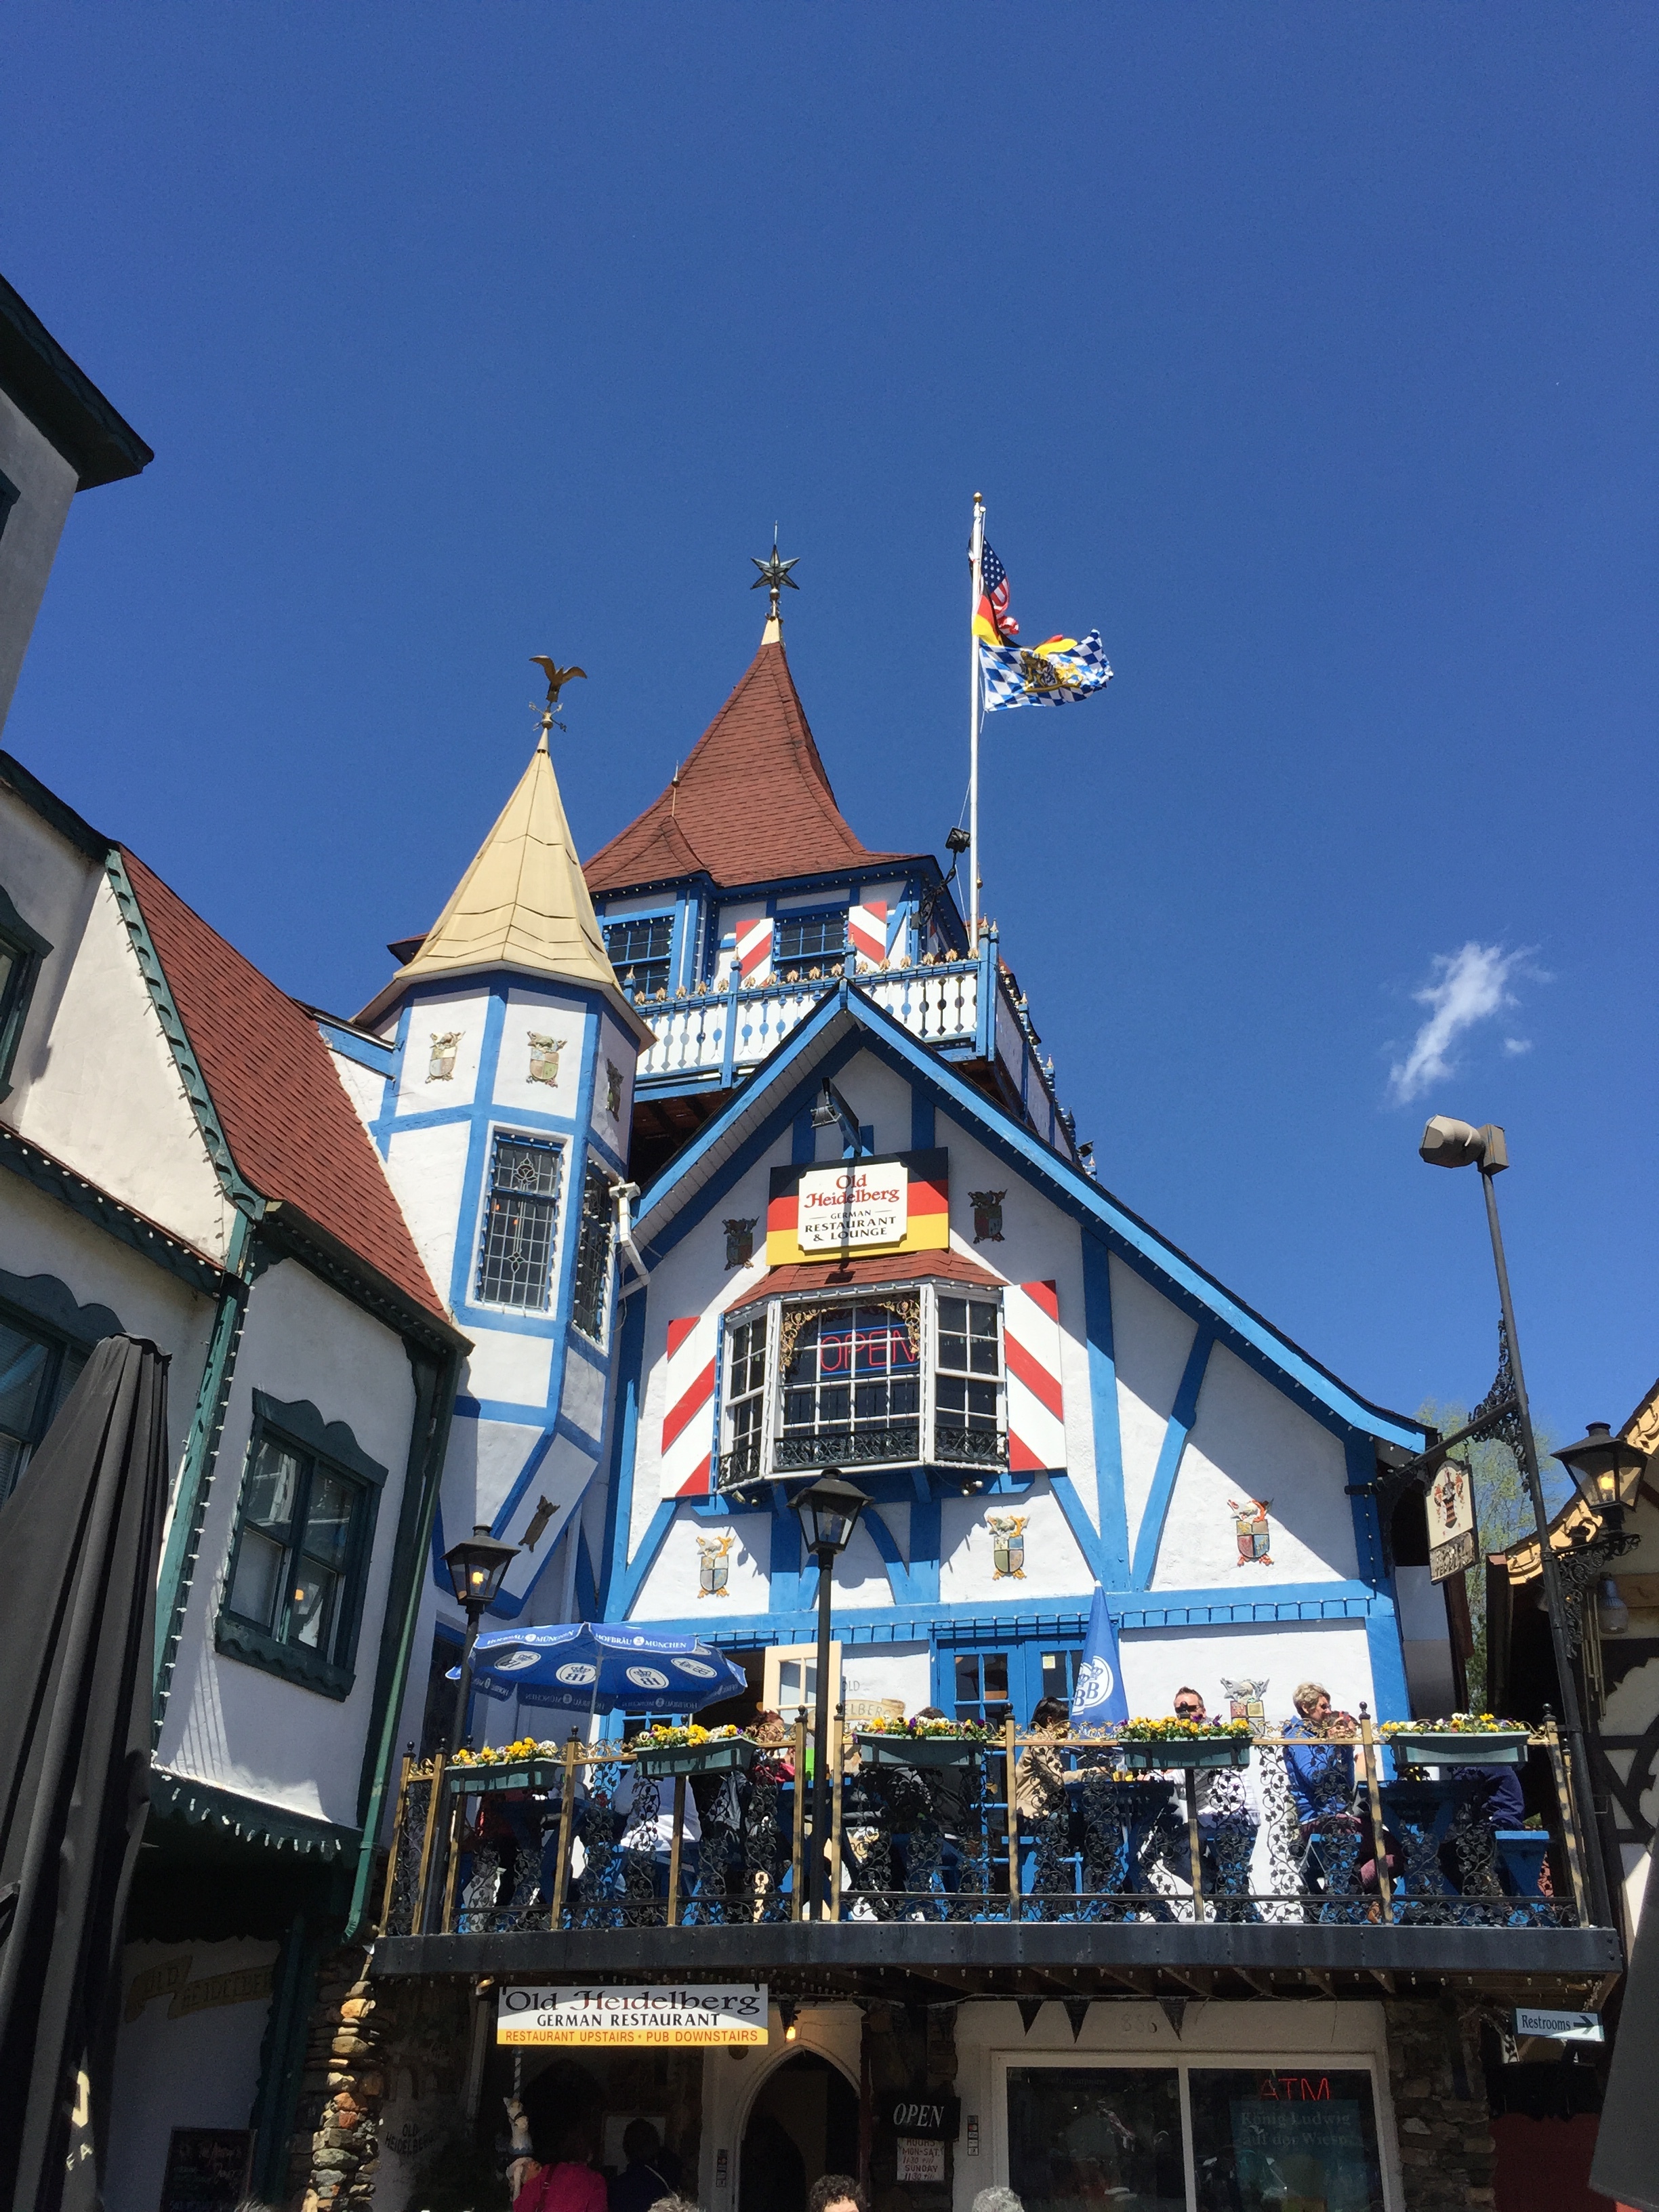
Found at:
[1007, 1546]
[1250, 1526]
[545, 1058]
[713, 1565]
[441, 1062]
[987, 1215]
[1246, 1701]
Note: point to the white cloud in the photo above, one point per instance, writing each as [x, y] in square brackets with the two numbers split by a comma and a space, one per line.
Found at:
[1515, 1046]
[1465, 986]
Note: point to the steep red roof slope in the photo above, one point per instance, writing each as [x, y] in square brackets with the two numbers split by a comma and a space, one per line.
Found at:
[752, 803]
[292, 1131]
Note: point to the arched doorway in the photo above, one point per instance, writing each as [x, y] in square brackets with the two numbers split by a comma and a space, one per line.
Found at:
[803, 2124]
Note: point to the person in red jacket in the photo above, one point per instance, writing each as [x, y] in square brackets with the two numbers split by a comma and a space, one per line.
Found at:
[571, 2183]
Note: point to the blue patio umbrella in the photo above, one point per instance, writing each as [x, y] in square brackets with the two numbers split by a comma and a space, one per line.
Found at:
[590, 1667]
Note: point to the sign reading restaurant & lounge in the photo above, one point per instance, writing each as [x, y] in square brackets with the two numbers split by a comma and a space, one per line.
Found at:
[730, 2012]
[900, 1202]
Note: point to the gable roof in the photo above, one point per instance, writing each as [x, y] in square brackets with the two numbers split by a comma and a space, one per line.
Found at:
[293, 1133]
[846, 1022]
[752, 803]
[522, 903]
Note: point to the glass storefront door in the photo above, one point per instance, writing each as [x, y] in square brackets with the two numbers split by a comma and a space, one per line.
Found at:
[1084, 2136]
[1112, 2138]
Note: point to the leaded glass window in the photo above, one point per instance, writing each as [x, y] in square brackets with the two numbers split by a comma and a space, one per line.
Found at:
[639, 953]
[593, 1254]
[516, 1253]
[852, 1389]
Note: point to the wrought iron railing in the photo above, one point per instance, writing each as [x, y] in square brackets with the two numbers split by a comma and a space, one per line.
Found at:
[985, 1447]
[554, 1843]
[880, 1442]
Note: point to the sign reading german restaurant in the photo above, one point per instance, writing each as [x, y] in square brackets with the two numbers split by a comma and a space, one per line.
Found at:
[731, 2012]
[897, 1203]
[853, 1206]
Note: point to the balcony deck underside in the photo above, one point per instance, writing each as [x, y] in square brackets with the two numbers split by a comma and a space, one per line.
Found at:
[1054, 1959]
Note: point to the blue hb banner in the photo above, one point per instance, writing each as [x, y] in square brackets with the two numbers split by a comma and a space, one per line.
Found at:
[1098, 1700]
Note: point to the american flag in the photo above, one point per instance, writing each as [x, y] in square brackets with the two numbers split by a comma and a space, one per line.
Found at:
[993, 578]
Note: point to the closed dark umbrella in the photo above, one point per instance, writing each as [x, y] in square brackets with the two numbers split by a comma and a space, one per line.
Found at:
[1626, 2162]
[80, 1537]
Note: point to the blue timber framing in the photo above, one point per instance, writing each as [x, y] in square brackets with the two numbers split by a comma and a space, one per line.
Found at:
[1103, 1399]
[1177, 1430]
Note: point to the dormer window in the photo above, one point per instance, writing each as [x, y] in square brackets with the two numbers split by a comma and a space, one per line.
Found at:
[810, 937]
[640, 951]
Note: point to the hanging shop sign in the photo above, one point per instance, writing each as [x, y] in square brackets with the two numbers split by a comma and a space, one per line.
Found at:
[919, 2160]
[539, 2012]
[1451, 1521]
[937, 2119]
[898, 1203]
[1559, 2027]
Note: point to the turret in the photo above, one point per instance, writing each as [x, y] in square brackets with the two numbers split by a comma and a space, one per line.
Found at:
[505, 1132]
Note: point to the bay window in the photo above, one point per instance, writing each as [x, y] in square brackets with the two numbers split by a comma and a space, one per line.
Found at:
[905, 1376]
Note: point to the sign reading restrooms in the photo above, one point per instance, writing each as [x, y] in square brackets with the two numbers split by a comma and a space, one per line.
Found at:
[898, 1203]
[534, 2012]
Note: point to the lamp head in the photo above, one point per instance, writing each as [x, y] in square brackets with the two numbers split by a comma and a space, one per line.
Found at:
[829, 1510]
[957, 840]
[1607, 1471]
[478, 1567]
[1450, 1144]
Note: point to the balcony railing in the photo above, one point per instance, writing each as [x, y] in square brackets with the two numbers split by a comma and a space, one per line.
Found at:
[885, 1443]
[713, 1036]
[933, 1832]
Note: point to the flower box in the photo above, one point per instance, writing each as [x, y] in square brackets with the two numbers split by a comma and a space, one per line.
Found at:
[1459, 1748]
[879, 1750]
[1144, 1757]
[720, 1757]
[484, 1777]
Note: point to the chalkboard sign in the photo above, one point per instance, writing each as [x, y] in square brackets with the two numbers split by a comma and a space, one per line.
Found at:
[207, 2169]
[920, 2114]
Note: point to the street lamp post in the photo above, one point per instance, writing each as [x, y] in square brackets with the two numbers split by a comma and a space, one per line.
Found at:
[1452, 1144]
[829, 1511]
[478, 1567]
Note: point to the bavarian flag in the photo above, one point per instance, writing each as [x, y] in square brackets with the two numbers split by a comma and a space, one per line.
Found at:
[1047, 675]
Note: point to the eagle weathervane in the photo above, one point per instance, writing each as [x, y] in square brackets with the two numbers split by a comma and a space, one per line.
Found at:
[557, 677]
[774, 573]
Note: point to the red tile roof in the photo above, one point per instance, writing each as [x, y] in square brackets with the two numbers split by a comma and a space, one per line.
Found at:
[752, 803]
[891, 1269]
[292, 1131]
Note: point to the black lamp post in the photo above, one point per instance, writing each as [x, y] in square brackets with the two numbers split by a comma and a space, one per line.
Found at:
[1451, 1144]
[1608, 1473]
[829, 1510]
[478, 1567]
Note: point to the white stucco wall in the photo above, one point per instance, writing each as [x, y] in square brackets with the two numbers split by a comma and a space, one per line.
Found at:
[426, 1169]
[231, 1724]
[1251, 1442]
[92, 1034]
[362, 1086]
[1151, 1339]
[39, 1236]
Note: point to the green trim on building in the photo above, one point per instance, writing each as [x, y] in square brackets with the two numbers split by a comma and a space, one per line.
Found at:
[271, 1827]
[240, 1193]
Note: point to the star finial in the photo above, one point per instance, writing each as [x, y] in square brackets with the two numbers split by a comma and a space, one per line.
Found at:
[774, 575]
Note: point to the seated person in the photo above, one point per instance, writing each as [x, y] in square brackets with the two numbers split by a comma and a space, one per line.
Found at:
[641, 1833]
[1039, 1778]
[1319, 1767]
[1488, 1798]
[650, 2174]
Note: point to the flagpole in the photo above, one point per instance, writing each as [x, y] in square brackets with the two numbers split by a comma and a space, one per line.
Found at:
[976, 556]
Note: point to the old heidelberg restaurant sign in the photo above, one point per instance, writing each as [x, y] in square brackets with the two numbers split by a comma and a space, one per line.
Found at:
[730, 2012]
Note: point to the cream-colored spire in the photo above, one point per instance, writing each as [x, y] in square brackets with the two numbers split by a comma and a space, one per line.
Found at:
[524, 902]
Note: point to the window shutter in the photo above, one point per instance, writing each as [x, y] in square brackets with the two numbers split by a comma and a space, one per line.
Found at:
[867, 930]
[753, 953]
[688, 1421]
[1030, 1347]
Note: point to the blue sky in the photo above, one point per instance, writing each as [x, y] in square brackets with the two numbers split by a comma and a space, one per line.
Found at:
[1308, 352]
